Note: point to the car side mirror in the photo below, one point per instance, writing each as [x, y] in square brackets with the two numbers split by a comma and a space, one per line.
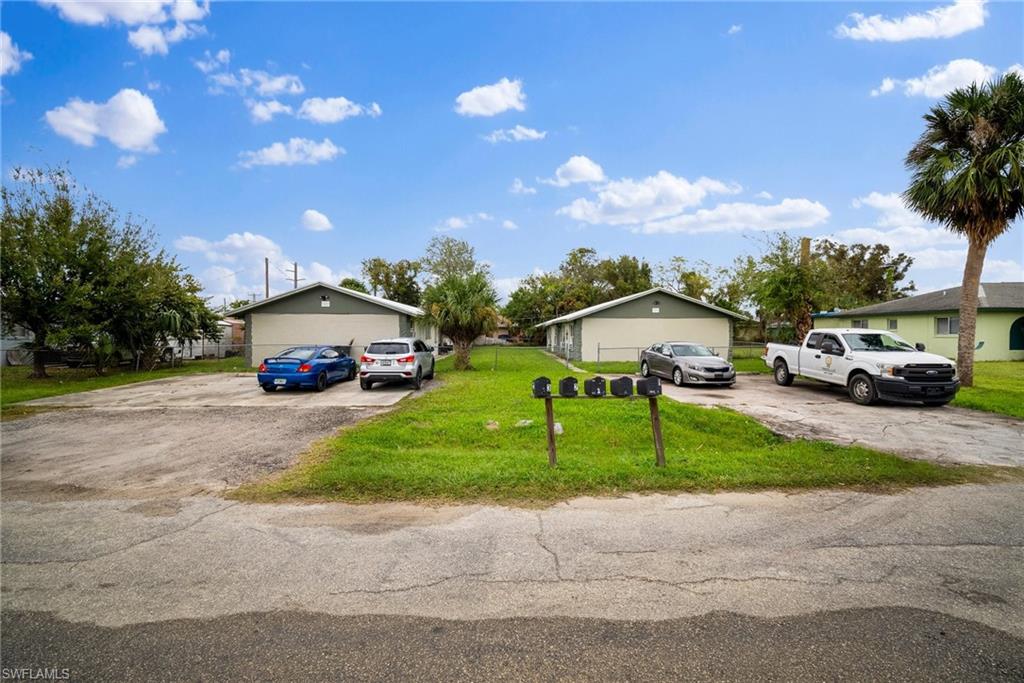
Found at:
[919, 346]
[430, 348]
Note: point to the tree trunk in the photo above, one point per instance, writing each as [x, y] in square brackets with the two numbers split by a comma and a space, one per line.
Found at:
[462, 354]
[969, 311]
[38, 360]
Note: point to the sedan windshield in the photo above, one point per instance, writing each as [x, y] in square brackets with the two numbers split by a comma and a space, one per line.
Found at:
[874, 341]
[691, 350]
[300, 352]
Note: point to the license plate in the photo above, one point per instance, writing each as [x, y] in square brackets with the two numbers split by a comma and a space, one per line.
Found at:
[718, 375]
[385, 362]
[280, 380]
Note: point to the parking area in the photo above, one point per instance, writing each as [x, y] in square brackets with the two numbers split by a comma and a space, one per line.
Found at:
[223, 390]
[811, 410]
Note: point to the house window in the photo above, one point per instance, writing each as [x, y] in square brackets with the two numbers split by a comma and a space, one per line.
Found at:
[892, 324]
[947, 326]
[860, 324]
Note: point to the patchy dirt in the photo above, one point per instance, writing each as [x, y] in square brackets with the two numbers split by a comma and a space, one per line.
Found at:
[162, 453]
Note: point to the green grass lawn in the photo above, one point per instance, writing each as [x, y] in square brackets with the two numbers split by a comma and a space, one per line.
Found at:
[436, 447]
[16, 386]
[625, 367]
[998, 388]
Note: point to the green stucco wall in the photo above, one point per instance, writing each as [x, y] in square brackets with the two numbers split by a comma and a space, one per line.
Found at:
[669, 307]
[309, 302]
[993, 329]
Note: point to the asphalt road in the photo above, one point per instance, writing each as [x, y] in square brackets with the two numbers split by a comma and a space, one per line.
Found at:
[870, 644]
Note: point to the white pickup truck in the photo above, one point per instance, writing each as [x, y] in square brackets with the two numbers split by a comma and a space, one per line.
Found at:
[871, 364]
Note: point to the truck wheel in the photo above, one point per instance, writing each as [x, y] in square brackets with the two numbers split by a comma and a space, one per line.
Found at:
[782, 375]
[862, 390]
[645, 370]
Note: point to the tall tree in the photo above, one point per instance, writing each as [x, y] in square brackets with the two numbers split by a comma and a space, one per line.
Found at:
[862, 274]
[397, 281]
[679, 276]
[463, 307]
[448, 256]
[968, 174]
[784, 286]
[624, 275]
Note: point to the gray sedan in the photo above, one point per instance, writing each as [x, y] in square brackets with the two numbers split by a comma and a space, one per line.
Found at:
[686, 363]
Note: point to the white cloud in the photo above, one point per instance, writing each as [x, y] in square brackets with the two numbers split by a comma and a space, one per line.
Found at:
[763, 194]
[1002, 270]
[315, 221]
[334, 109]
[509, 225]
[787, 214]
[160, 23]
[262, 83]
[128, 119]
[489, 100]
[631, 202]
[903, 238]
[127, 160]
[578, 169]
[462, 222]
[296, 151]
[891, 207]
[940, 22]
[519, 188]
[940, 80]
[11, 56]
[518, 134]
[213, 62]
[734, 29]
[504, 286]
[1016, 69]
[262, 111]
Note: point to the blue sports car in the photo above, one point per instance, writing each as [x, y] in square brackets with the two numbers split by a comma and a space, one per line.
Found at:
[314, 367]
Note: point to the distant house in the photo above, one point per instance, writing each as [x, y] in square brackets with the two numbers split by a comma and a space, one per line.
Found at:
[619, 328]
[320, 313]
[933, 320]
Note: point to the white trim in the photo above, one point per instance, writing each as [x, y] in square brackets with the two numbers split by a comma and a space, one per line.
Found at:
[380, 301]
[584, 312]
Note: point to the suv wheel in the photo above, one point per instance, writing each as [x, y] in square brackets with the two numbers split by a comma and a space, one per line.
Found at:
[862, 390]
[645, 369]
[781, 373]
[417, 381]
[430, 375]
[365, 384]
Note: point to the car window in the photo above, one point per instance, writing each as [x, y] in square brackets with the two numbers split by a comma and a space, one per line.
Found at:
[814, 340]
[876, 342]
[691, 350]
[418, 345]
[328, 353]
[839, 349]
[388, 347]
[300, 352]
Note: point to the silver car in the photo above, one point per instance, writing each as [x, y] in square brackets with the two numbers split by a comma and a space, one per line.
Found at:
[405, 359]
[686, 363]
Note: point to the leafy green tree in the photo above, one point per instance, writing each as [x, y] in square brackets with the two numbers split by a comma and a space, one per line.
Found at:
[396, 281]
[862, 274]
[353, 284]
[238, 303]
[463, 307]
[448, 256]
[783, 288]
[968, 174]
[624, 276]
[679, 276]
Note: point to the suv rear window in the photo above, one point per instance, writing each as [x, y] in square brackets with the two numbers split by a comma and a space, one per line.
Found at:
[388, 347]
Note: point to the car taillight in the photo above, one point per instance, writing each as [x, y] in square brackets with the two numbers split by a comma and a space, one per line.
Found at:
[263, 367]
[407, 359]
[365, 359]
[305, 367]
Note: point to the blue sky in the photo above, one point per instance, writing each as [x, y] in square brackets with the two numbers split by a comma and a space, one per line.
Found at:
[326, 133]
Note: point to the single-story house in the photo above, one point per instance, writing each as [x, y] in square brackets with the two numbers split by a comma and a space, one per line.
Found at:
[618, 329]
[320, 313]
[933, 320]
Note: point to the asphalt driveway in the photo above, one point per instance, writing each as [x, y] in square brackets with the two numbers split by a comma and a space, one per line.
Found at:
[812, 410]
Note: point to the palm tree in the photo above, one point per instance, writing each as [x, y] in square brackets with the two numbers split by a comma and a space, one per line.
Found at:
[968, 174]
[463, 307]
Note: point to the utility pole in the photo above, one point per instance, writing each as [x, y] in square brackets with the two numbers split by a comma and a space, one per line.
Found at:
[805, 322]
[295, 274]
[266, 277]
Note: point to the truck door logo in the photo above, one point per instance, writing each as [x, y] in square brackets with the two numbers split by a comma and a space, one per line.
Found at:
[828, 361]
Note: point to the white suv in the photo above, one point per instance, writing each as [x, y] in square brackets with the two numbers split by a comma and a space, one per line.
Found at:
[405, 359]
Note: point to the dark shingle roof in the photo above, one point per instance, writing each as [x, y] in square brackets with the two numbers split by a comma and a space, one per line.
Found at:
[992, 295]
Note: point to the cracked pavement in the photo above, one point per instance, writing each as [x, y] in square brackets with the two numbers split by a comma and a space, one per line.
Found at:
[813, 410]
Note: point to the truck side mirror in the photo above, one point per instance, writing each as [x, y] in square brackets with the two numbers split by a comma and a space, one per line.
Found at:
[919, 346]
[827, 346]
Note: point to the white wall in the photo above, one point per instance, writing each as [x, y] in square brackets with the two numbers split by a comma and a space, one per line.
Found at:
[642, 332]
[272, 332]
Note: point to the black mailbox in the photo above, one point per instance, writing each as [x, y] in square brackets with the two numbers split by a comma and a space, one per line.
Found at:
[542, 387]
[648, 386]
[595, 388]
[568, 387]
[622, 387]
